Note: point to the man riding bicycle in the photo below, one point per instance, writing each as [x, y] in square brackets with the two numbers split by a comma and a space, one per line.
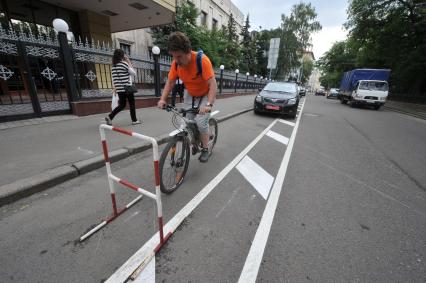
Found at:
[195, 70]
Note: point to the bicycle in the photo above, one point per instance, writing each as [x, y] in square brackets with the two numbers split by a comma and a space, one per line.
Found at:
[175, 157]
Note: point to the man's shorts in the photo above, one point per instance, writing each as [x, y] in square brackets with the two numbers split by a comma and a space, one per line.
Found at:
[201, 120]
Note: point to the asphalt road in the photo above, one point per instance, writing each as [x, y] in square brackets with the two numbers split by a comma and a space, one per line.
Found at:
[352, 207]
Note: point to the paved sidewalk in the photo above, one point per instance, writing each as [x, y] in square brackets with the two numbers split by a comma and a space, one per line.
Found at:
[31, 147]
[413, 109]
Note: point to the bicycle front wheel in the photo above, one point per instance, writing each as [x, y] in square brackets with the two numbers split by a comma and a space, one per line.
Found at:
[213, 131]
[174, 163]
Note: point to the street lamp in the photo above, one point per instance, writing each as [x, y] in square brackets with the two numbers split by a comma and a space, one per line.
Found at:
[236, 79]
[247, 75]
[61, 27]
[222, 67]
[156, 52]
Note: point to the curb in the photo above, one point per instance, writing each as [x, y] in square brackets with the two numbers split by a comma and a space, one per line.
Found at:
[420, 116]
[25, 187]
[31, 185]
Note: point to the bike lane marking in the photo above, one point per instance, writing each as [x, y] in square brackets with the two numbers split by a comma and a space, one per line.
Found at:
[280, 138]
[145, 253]
[255, 255]
[256, 176]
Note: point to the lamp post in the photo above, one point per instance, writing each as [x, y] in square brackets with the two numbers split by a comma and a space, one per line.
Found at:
[222, 67]
[66, 56]
[156, 53]
[255, 77]
[236, 79]
[247, 75]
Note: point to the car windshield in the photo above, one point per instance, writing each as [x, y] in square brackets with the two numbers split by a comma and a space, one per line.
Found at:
[381, 86]
[280, 87]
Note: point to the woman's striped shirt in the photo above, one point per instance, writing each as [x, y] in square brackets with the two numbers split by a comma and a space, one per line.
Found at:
[121, 75]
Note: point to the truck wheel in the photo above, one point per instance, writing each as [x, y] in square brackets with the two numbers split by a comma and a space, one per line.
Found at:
[352, 104]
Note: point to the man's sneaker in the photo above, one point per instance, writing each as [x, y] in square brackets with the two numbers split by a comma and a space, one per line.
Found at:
[108, 121]
[204, 156]
[136, 122]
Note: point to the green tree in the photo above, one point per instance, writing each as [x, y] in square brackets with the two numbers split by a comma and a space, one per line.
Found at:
[391, 34]
[296, 30]
[212, 42]
[261, 44]
[232, 50]
[185, 21]
[247, 47]
[340, 58]
[307, 67]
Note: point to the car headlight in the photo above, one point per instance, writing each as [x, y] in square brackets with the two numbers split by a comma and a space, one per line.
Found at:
[258, 98]
[292, 101]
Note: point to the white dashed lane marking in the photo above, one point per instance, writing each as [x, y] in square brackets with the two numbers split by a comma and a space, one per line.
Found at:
[280, 138]
[256, 176]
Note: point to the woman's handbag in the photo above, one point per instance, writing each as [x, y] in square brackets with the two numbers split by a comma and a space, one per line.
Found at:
[130, 88]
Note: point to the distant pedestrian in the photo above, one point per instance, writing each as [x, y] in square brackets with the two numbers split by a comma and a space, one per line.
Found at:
[178, 89]
[122, 72]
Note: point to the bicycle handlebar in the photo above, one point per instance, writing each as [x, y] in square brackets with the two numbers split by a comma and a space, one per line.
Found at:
[170, 108]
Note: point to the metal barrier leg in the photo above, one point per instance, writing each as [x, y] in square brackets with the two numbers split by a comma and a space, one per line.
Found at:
[159, 207]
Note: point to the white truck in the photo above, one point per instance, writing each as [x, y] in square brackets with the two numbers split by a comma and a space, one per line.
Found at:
[365, 87]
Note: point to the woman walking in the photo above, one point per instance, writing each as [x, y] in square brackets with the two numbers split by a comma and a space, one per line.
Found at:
[122, 70]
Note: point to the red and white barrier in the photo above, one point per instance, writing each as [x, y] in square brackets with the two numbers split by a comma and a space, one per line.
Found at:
[112, 178]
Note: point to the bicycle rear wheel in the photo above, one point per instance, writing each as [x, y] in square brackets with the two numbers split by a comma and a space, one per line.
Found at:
[213, 131]
[174, 163]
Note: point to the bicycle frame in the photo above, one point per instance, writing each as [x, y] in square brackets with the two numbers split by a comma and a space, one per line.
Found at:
[190, 125]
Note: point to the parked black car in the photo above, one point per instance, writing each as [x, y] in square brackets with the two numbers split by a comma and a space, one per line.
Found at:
[278, 97]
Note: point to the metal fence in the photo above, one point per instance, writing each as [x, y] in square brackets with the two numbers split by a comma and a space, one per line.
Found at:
[36, 73]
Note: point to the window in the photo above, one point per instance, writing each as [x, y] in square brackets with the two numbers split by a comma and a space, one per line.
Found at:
[125, 48]
[203, 18]
[211, 15]
[214, 24]
[281, 87]
[374, 85]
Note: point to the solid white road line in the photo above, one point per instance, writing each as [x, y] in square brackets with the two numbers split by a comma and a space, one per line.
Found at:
[255, 255]
[148, 274]
[256, 176]
[145, 253]
[280, 138]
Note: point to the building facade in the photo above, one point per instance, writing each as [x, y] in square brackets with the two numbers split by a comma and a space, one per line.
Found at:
[213, 14]
[44, 73]
[216, 13]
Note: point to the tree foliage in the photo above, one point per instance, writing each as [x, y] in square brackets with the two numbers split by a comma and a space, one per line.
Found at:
[296, 30]
[307, 67]
[248, 50]
[247, 47]
[382, 34]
